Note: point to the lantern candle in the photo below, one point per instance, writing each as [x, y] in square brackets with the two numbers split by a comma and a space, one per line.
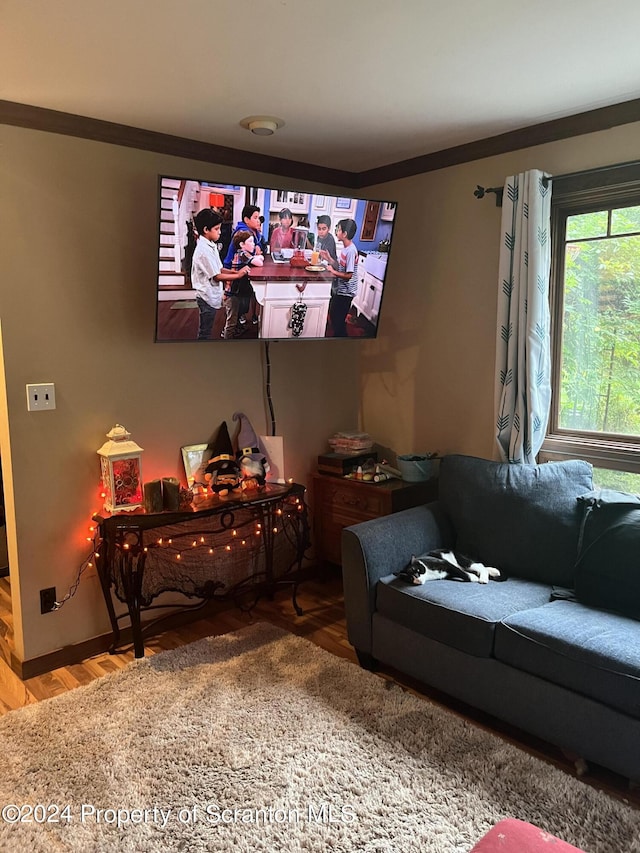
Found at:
[153, 496]
[121, 469]
[171, 493]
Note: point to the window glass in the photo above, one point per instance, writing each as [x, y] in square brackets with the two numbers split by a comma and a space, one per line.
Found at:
[585, 225]
[600, 359]
[625, 220]
[621, 481]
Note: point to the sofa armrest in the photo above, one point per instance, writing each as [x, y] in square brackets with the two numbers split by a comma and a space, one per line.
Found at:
[373, 549]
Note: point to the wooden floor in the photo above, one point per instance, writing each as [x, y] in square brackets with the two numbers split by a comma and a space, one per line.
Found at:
[323, 623]
[181, 324]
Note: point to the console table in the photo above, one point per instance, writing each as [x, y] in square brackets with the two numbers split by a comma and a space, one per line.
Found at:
[219, 547]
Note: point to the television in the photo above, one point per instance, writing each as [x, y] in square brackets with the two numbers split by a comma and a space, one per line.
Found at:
[314, 269]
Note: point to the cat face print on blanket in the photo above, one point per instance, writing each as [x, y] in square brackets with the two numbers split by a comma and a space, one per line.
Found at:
[443, 563]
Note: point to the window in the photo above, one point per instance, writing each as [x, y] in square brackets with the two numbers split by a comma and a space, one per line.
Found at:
[600, 345]
[596, 330]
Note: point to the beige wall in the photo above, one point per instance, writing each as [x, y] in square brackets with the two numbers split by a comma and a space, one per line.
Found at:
[427, 381]
[77, 221]
[77, 307]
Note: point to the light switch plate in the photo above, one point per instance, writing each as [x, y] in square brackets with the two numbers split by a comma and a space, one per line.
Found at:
[41, 397]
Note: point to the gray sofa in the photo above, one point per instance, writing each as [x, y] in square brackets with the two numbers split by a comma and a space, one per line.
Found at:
[529, 649]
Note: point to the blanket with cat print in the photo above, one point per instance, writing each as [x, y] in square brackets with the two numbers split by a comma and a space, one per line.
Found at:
[443, 563]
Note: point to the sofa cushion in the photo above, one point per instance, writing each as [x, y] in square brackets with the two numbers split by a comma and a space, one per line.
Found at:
[523, 519]
[607, 573]
[583, 649]
[462, 615]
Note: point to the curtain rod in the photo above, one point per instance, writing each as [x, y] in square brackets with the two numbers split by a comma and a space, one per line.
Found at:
[480, 192]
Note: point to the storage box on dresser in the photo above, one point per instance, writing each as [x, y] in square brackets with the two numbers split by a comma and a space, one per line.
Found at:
[339, 503]
[532, 650]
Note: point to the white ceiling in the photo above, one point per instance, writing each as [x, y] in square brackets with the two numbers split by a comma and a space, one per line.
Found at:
[359, 83]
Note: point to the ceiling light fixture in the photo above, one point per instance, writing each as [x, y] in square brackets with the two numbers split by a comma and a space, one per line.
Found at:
[261, 125]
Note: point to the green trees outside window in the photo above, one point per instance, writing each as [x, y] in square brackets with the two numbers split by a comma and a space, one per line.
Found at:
[600, 345]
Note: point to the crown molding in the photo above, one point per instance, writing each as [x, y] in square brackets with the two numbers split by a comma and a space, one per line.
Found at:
[53, 121]
[579, 124]
[68, 124]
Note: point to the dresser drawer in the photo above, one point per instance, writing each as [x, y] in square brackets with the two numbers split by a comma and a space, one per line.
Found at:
[340, 503]
[354, 500]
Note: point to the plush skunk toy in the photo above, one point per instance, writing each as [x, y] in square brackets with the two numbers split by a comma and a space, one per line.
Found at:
[221, 472]
[252, 462]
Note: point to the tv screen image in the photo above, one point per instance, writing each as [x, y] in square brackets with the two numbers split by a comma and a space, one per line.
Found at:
[239, 262]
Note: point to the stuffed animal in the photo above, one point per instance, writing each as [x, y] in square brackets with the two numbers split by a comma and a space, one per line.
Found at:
[222, 473]
[252, 462]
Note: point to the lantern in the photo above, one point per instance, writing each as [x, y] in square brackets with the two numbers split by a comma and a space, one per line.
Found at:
[121, 471]
[216, 200]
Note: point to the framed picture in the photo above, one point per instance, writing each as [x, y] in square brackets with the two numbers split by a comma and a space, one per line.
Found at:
[296, 202]
[192, 458]
[343, 208]
[370, 221]
[319, 202]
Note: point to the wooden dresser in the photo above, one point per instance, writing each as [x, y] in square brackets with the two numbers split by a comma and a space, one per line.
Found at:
[339, 503]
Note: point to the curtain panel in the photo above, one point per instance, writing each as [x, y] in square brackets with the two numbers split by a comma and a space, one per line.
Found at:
[523, 349]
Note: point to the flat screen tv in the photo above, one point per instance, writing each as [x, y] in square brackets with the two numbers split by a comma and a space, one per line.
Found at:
[245, 263]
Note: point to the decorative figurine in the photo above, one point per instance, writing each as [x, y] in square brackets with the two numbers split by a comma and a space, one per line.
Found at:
[253, 464]
[221, 471]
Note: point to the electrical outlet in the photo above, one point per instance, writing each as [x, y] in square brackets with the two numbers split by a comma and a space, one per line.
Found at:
[47, 599]
[41, 397]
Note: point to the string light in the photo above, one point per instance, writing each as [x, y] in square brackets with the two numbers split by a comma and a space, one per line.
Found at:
[95, 538]
[89, 562]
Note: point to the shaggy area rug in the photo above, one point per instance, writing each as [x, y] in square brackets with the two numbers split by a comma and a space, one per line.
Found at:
[260, 741]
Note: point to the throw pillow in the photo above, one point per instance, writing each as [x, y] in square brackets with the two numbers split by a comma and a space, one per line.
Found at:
[523, 519]
[607, 571]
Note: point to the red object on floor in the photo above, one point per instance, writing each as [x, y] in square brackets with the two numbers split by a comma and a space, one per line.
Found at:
[516, 836]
